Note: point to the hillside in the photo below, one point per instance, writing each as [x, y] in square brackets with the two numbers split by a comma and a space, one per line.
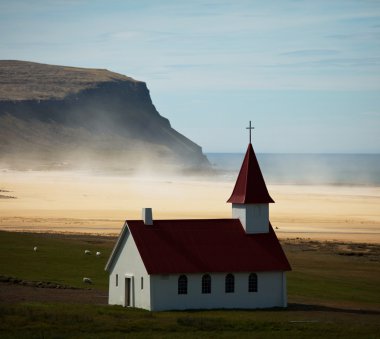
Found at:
[78, 117]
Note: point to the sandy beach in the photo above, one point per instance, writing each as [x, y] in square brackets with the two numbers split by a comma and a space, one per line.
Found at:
[89, 203]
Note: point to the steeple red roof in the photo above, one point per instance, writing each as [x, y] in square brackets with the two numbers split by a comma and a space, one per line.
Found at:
[250, 186]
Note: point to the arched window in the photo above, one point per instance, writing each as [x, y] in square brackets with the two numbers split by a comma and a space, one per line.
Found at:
[206, 284]
[252, 282]
[182, 284]
[230, 283]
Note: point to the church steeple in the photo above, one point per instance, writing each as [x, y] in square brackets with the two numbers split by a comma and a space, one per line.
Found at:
[250, 198]
[250, 186]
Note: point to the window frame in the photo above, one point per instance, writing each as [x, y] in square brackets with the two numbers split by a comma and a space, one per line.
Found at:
[229, 283]
[252, 283]
[182, 284]
[206, 284]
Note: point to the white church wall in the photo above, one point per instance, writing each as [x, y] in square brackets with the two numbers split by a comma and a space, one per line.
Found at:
[284, 290]
[253, 217]
[128, 264]
[271, 292]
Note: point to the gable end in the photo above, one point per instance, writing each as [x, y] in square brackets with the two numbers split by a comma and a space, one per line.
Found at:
[117, 248]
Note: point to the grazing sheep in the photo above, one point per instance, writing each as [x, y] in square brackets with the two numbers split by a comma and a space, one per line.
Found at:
[87, 252]
[98, 254]
[87, 280]
[35, 248]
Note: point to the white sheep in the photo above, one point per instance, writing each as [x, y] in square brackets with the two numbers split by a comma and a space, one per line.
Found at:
[87, 252]
[87, 280]
[98, 254]
[35, 248]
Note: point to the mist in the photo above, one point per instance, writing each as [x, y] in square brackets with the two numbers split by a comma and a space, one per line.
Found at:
[101, 147]
[306, 169]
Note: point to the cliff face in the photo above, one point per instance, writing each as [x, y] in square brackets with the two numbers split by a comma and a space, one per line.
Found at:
[64, 114]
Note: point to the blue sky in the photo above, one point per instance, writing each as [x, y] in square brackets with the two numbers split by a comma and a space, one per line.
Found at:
[307, 73]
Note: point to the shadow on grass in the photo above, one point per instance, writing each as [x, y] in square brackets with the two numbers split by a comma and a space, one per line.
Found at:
[291, 307]
[310, 307]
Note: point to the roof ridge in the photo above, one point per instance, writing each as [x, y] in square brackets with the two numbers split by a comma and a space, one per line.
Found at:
[189, 219]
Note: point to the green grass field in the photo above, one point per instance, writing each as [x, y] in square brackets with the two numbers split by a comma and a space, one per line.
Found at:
[332, 293]
[59, 259]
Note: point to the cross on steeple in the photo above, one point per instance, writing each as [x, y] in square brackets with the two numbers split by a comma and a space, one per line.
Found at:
[250, 130]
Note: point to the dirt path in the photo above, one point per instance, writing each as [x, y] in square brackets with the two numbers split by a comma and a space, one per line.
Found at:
[12, 293]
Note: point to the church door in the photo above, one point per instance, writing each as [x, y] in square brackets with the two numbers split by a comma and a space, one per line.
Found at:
[128, 287]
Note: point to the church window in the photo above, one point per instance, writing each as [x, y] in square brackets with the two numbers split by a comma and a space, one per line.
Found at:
[142, 283]
[117, 280]
[252, 282]
[206, 284]
[182, 284]
[230, 283]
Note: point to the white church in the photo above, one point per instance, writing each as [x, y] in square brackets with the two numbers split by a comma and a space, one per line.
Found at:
[203, 263]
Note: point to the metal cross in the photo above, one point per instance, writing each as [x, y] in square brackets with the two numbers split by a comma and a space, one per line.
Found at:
[250, 130]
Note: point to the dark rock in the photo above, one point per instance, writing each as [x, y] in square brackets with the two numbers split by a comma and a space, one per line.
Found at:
[4, 278]
[64, 112]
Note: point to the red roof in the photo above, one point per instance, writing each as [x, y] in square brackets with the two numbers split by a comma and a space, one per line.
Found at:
[203, 245]
[250, 186]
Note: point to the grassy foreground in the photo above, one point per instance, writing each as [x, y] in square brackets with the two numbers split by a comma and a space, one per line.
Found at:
[61, 321]
[334, 291]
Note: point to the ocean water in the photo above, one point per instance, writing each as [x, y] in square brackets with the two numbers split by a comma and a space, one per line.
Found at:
[318, 169]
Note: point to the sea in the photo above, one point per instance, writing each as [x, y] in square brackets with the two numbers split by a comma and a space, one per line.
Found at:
[307, 169]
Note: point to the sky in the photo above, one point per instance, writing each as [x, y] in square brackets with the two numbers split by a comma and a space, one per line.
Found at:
[306, 73]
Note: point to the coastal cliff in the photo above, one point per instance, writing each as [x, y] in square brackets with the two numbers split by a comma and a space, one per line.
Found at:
[78, 117]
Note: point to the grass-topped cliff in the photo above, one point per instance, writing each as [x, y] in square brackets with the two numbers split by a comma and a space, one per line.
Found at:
[22, 80]
[79, 117]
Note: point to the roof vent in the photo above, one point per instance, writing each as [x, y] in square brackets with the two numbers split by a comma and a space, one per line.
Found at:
[147, 216]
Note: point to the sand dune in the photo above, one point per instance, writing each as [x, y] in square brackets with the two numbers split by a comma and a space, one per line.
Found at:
[82, 202]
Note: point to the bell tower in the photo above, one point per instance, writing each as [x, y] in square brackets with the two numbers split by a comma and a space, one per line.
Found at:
[250, 198]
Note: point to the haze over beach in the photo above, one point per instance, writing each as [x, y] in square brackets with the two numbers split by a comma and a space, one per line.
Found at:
[307, 75]
[88, 202]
